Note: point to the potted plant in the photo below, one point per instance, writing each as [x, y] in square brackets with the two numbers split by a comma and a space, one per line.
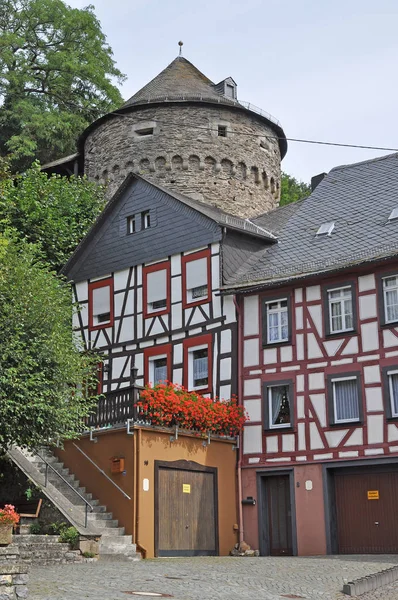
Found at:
[8, 518]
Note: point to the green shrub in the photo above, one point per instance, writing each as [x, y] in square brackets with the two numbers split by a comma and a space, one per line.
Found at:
[35, 529]
[88, 554]
[57, 527]
[69, 535]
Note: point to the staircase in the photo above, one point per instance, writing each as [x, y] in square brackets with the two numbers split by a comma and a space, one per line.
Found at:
[77, 505]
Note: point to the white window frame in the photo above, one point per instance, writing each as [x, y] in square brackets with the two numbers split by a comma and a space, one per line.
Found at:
[343, 314]
[191, 351]
[385, 290]
[96, 315]
[394, 413]
[338, 380]
[269, 396]
[149, 306]
[189, 291]
[279, 310]
[151, 366]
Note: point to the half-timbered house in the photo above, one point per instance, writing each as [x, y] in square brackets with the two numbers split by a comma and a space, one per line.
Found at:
[319, 369]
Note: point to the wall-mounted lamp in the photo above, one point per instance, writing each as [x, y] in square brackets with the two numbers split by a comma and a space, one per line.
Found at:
[105, 368]
[134, 372]
[249, 500]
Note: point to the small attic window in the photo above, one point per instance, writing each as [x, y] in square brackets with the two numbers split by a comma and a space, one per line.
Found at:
[326, 228]
[394, 215]
[230, 91]
[222, 131]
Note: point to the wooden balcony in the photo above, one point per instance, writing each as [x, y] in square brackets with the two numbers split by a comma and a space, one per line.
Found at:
[114, 408]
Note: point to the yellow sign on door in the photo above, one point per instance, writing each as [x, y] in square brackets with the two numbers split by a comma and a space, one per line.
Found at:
[186, 488]
[373, 495]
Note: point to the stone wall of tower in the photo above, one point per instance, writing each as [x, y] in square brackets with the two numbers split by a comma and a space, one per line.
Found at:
[239, 173]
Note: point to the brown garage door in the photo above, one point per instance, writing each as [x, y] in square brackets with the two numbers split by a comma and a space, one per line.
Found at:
[186, 512]
[366, 510]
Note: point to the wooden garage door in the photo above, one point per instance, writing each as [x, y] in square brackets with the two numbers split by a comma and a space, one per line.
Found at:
[366, 510]
[186, 512]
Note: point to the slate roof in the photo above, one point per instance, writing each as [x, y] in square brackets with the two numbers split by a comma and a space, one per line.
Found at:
[180, 78]
[358, 198]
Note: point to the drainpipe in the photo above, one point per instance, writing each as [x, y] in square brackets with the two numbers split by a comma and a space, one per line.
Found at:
[240, 396]
[140, 547]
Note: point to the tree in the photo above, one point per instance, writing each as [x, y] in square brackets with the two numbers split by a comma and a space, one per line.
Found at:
[292, 189]
[42, 372]
[54, 212]
[56, 73]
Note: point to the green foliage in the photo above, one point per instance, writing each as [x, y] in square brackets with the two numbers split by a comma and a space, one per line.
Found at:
[293, 190]
[89, 554]
[35, 529]
[56, 528]
[69, 535]
[56, 73]
[54, 212]
[43, 375]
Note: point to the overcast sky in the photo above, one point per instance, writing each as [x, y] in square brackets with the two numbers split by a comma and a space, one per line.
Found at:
[326, 69]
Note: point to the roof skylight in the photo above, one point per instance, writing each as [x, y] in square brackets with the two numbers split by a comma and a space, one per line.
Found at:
[393, 215]
[326, 228]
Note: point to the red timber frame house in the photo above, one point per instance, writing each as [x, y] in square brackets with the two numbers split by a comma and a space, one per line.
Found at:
[318, 375]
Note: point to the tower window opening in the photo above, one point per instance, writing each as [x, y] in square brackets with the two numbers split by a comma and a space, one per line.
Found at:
[222, 131]
[144, 132]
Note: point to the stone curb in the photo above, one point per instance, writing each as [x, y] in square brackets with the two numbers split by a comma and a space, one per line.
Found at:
[369, 583]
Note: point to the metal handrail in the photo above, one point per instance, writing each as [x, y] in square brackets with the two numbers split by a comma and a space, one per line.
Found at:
[87, 504]
[102, 472]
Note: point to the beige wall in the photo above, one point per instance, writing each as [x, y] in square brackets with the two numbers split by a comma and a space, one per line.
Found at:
[140, 452]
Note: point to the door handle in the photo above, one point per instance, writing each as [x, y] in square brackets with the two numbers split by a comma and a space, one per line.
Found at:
[376, 522]
[186, 526]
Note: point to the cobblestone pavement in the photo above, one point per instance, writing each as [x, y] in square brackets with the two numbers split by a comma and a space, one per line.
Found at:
[215, 578]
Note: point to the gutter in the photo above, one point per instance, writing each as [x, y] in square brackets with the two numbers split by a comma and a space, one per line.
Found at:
[240, 398]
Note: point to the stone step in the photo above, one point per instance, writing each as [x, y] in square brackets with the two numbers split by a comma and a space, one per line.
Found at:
[98, 516]
[105, 524]
[115, 532]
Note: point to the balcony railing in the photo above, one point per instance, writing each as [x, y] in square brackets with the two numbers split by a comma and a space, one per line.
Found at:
[114, 408]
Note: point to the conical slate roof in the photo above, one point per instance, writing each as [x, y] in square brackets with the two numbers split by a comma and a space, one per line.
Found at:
[180, 79]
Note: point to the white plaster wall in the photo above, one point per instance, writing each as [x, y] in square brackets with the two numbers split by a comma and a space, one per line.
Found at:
[252, 439]
[251, 315]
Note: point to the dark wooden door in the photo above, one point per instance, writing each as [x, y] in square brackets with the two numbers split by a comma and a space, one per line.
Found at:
[187, 521]
[365, 524]
[279, 515]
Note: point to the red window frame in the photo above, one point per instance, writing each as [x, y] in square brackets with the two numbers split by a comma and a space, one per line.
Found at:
[165, 265]
[202, 340]
[157, 351]
[91, 287]
[190, 258]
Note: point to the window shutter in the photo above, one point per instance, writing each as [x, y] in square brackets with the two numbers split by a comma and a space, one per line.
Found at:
[196, 273]
[156, 286]
[101, 300]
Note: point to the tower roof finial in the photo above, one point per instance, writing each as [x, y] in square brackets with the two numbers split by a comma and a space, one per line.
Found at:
[180, 43]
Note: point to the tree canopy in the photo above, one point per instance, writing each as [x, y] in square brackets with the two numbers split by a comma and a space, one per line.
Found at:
[54, 212]
[56, 77]
[41, 368]
[292, 189]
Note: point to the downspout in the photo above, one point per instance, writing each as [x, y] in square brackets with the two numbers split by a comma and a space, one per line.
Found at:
[140, 547]
[240, 397]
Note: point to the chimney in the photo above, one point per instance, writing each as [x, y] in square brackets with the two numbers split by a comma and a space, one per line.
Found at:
[316, 180]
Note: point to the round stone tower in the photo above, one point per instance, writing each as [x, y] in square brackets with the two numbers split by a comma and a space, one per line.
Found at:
[190, 135]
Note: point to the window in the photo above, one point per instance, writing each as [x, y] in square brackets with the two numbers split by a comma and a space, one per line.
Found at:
[131, 224]
[222, 131]
[100, 304]
[326, 229]
[197, 363]
[276, 321]
[145, 219]
[230, 91]
[393, 392]
[339, 309]
[390, 296]
[156, 289]
[344, 399]
[144, 132]
[278, 406]
[157, 364]
[196, 278]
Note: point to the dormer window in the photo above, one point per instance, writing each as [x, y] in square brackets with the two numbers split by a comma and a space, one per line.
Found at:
[230, 91]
